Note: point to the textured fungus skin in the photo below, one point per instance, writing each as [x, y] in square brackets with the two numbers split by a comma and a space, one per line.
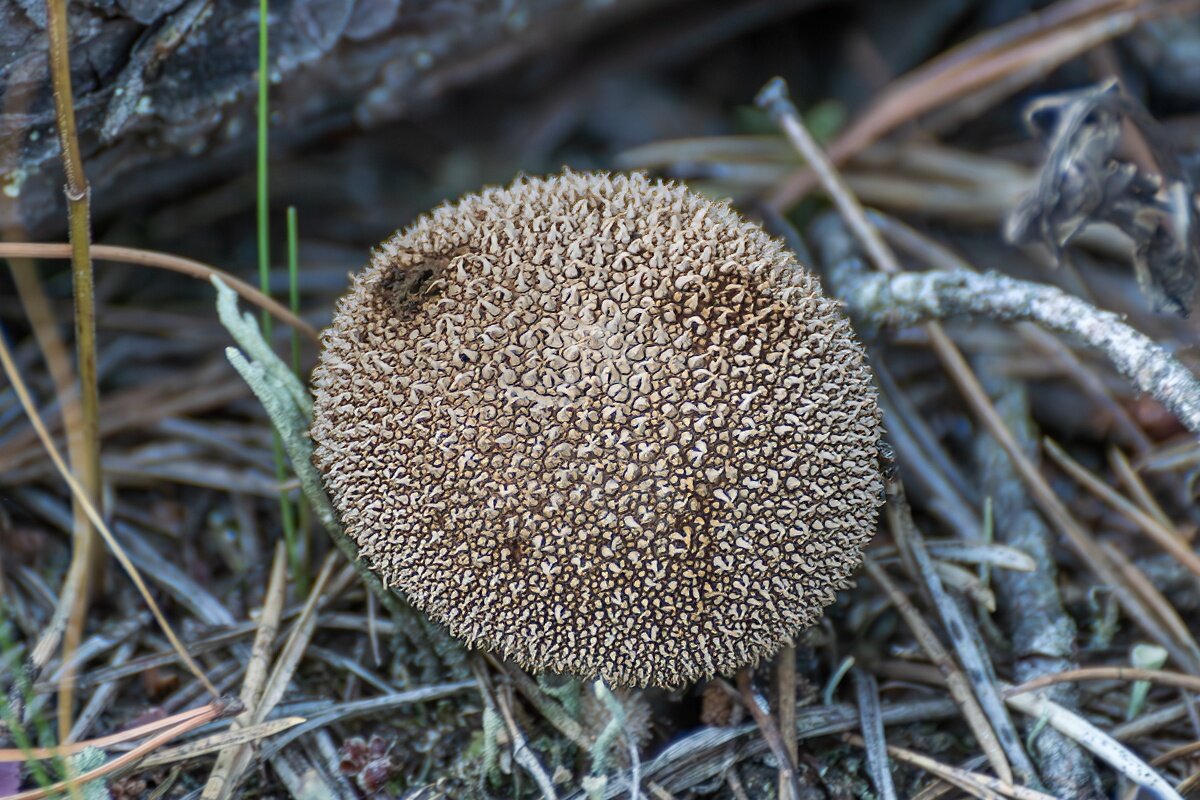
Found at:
[601, 425]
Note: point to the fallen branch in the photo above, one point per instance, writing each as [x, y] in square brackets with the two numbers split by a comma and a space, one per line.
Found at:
[896, 300]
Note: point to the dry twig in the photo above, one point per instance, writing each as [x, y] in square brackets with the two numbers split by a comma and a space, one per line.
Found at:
[1043, 633]
[956, 682]
[896, 300]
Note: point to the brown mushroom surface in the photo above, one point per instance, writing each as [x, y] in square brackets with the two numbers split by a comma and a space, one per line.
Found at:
[602, 425]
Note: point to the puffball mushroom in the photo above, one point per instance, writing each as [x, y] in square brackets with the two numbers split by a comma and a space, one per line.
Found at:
[601, 425]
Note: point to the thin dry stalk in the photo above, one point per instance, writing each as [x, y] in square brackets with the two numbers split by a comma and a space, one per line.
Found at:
[220, 742]
[548, 707]
[85, 553]
[18, 755]
[99, 700]
[976, 783]
[222, 783]
[1176, 752]
[18, 384]
[956, 682]
[1165, 538]
[54, 350]
[785, 676]
[165, 261]
[233, 760]
[1134, 484]
[140, 407]
[1165, 677]
[977, 665]
[1054, 508]
[215, 710]
[1042, 633]
[1152, 599]
[521, 751]
[1186, 787]
[769, 731]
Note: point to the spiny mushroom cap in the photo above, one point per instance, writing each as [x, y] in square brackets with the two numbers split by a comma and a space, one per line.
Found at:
[601, 425]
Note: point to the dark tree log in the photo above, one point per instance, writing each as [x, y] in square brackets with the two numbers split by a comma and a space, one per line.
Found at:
[165, 89]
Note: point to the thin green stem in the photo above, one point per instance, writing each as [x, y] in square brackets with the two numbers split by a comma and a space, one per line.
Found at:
[264, 229]
[287, 512]
[299, 521]
[293, 249]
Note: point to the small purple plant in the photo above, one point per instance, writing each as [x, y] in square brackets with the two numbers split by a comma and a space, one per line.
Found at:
[368, 762]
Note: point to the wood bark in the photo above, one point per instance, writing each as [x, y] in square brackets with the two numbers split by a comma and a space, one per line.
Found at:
[165, 89]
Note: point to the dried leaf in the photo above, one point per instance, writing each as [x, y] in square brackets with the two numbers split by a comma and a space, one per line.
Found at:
[1083, 183]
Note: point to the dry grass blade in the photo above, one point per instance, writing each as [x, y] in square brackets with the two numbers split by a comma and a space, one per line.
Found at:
[1176, 752]
[956, 682]
[214, 711]
[1163, 537]
[521, 751]
[1190, 683]
[222, 784]
[221, 742]
[785, 678]
[233, 760]
[975, 783]
[18, 755]
[874, 740]
[977, 665]
[166, 261]
[770, 732]
[1137, 487]
[1153, 600]
[80, 495]
[1101, 744]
